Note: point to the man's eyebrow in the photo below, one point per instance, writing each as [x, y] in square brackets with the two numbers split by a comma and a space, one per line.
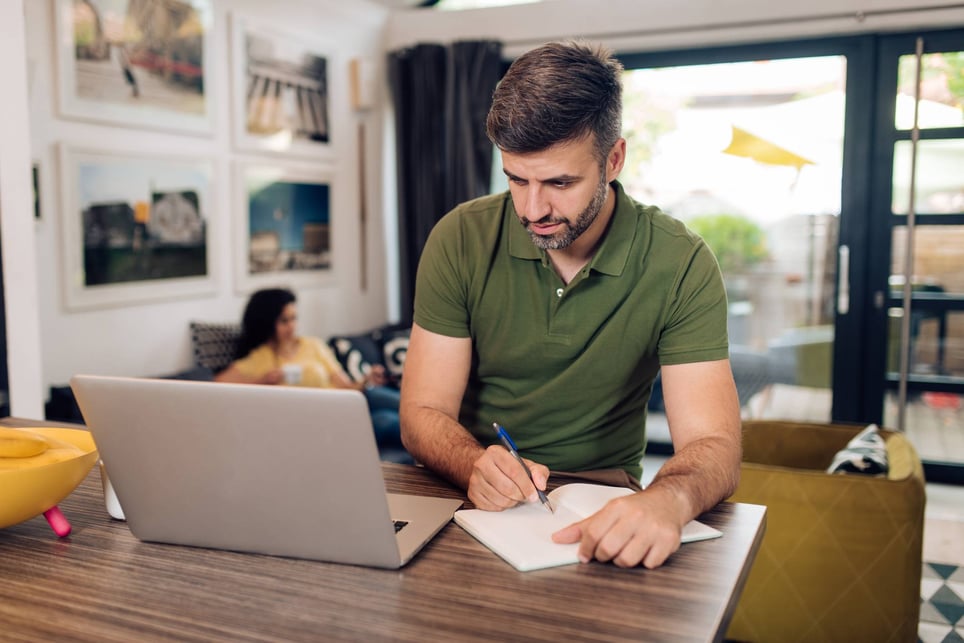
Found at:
[563, 178]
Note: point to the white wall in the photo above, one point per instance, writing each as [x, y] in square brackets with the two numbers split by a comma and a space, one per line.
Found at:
[19, 274]
[153, 338]
[648, 25]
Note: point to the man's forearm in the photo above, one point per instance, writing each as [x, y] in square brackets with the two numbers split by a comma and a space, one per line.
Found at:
[440, 443]
[700, 475]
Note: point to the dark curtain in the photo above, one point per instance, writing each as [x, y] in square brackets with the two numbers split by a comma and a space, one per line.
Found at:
[441, 95]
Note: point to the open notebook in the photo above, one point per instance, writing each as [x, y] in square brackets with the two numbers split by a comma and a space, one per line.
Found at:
[522, 535]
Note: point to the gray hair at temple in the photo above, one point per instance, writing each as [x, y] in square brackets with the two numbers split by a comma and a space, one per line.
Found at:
[560, 91]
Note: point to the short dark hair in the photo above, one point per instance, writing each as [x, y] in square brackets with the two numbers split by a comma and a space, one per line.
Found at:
[258, 325]
[560, 91]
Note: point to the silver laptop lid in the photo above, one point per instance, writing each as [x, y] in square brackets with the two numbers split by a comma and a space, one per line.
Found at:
[269, 469]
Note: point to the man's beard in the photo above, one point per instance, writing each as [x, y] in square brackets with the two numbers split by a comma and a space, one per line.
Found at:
[571, 231]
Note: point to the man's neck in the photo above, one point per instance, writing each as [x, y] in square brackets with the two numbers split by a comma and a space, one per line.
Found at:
[567, 262]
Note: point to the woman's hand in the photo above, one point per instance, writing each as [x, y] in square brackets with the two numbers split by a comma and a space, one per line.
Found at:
[275, 376]
[377, 376]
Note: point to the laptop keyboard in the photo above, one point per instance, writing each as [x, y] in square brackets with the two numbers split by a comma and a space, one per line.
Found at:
[399, 524]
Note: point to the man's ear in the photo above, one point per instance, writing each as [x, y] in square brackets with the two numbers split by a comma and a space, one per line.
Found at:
[616, 160]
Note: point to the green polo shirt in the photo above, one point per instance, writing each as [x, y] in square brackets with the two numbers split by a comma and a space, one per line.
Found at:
[568, 369]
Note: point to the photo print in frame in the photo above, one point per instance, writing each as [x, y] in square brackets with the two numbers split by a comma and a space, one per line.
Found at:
[280, 91]
[287, 234]
[139, 63]
[137, 228]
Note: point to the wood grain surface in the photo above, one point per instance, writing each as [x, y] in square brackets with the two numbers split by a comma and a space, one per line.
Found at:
[101, 583]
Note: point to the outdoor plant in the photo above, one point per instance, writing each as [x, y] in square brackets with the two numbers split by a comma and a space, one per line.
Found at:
[737, 241]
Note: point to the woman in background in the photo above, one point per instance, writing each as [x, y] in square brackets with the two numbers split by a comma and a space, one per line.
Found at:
[270, 351]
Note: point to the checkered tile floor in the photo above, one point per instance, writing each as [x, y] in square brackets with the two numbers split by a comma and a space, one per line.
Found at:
[942, 604]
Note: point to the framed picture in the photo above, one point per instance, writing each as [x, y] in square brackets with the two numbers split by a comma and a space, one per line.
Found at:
[280, 91]
[286, 234]
[142, 63]
[136, 228]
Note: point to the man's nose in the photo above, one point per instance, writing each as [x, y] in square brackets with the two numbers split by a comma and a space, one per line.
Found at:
[536, 204]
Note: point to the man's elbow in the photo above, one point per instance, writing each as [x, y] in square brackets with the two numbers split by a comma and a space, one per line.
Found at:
[409, 427]
[732, 477]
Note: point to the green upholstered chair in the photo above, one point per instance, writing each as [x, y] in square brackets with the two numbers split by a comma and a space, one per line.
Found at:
[841, 556]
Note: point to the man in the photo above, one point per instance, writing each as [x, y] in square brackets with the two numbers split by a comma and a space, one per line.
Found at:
[551, 309]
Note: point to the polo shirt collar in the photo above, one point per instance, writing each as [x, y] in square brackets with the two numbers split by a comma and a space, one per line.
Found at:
[613, 253]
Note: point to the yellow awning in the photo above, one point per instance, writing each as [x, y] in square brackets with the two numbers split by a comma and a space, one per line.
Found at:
[751, 146]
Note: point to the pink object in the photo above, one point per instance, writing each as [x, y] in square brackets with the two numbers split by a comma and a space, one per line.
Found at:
[58, 522]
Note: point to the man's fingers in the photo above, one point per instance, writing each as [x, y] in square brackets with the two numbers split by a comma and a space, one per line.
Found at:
[659, 552]
[514, 481]
[495, 481]
[540, 474]
[499, 481]
[485, 497]
[569, 534]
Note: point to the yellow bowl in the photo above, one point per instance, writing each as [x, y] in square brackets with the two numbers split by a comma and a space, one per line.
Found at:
[25, 493]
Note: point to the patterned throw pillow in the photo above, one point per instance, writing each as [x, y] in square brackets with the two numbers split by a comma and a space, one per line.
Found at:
[214, 344]
[866, 453]
[356, 354]
[394, 348]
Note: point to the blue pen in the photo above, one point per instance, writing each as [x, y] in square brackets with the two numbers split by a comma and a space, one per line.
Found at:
[510, 445]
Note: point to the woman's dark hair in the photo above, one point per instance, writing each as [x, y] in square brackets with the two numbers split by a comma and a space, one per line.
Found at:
[559, 92]
[261, 317]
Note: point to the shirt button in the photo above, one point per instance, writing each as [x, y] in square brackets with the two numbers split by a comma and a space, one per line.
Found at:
[559, 292]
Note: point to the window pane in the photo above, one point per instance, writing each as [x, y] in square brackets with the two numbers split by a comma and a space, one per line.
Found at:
[939, 179]
[933, 424]
[936, 342]
[942, 91]
[749, 155]
[938, 259]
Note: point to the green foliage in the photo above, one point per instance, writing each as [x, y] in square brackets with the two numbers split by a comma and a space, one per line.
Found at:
[954, 73]
[737, 241]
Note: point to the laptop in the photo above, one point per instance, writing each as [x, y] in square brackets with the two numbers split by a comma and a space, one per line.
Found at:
[279, 470]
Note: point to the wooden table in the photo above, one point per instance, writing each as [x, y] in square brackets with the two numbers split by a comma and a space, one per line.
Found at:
[102, 583]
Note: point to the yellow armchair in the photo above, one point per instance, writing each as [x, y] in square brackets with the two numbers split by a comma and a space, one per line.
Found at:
[841, 557]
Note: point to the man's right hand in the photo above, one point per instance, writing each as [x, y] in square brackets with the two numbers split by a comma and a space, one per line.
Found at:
[498, 481]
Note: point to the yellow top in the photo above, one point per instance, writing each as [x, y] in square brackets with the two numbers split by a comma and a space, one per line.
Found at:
[316, 359]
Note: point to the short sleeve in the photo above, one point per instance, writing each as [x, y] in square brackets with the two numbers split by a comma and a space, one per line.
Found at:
[441, 282]
[696, 326]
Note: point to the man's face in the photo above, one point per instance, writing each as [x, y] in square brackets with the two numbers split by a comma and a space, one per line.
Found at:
[557, 192]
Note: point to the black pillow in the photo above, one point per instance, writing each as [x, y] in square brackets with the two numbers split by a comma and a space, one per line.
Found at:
[214, 344]
[356, 354]
[866, 453]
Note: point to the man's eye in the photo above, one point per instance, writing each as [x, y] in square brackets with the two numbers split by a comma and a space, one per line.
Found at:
[518, 181]
[562, 185]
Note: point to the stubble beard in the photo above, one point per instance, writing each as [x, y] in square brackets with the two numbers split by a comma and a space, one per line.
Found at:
[571, 230]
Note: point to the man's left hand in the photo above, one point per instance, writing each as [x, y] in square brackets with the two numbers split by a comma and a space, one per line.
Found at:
[641, 528]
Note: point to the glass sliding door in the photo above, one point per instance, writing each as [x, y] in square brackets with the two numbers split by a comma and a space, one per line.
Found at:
[747, 146]
[917, 262]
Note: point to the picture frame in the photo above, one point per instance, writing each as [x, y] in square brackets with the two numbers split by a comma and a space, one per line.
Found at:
[137, 64]
[285, 237]
[136, 227]
[280, 91]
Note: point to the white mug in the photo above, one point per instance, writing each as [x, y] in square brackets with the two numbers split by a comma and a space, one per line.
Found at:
[292, 373]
